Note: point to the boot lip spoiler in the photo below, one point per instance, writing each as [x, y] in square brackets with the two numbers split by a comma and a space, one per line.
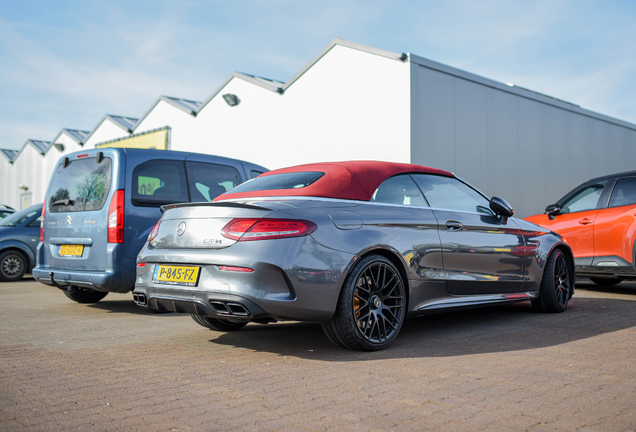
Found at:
[212, 204]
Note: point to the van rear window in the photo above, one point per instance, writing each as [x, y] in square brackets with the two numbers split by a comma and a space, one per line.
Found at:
[82, 186]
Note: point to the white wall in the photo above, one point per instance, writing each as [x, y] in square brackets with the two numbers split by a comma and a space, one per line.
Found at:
[6, 181]
[181, 123]
[349, 105]
[27, 170]
[106, 130]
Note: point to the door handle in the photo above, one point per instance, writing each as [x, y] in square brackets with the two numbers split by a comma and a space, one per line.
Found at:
[453, 225]
[586, 221]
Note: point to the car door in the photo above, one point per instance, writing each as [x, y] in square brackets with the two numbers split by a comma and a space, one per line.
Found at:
[576, 219]
[482, 253]
[614, 226]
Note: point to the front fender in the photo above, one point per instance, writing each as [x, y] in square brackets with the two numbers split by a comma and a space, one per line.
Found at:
[22, 247]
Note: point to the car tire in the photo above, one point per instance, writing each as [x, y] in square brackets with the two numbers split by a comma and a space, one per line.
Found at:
[371, 307]
[13, 266]
[218, 324]
[606, 282]
[557, 285]
[81, 295]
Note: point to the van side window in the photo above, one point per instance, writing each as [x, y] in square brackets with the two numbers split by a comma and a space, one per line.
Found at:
[159, 182]
[254, 173]
[207, 181]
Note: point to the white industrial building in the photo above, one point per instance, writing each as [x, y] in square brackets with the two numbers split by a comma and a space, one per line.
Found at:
[357, 102]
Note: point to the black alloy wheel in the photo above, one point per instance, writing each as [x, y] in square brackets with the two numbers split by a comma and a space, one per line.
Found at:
[371, 308]
[218, 324]
[13, 266]
[557, 285]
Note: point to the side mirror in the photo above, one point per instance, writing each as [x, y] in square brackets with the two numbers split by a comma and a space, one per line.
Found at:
[501, 208]
[553, 210]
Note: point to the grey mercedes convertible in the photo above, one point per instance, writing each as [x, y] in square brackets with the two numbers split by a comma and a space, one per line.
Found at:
[357, 246]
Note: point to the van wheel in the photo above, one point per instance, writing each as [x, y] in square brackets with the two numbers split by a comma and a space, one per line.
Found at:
[605, 282]
[557, 285]
[218, 323]
[13, 265]
[82, 295]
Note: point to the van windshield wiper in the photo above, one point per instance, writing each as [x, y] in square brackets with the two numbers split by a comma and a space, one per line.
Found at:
[65, 202]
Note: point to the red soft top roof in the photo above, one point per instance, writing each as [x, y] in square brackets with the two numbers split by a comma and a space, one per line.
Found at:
[354, 180]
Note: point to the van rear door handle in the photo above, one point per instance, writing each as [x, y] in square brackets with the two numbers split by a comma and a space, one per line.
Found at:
[453, 225]
[586, 221]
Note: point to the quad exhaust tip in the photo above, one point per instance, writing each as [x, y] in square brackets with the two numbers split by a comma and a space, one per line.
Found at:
[229, 308]
[140, 299]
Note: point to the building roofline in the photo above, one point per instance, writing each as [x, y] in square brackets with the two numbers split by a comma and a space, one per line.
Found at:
[285, 85]
[111, 119]
[170, 100]
[516, 90]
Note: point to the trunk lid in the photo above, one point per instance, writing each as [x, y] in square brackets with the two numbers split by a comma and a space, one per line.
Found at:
[199, 225]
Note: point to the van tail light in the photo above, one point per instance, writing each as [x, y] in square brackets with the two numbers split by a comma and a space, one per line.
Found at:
[42, 222]
[154, 231]
[116, 218]
[250, 229]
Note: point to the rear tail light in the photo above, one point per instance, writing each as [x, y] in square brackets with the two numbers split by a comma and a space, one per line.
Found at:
[42, 222]
[249, 229]
[116, 218]
[154, 231]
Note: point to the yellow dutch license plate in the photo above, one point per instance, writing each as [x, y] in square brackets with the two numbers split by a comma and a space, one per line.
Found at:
[71, 250]
[176, 275]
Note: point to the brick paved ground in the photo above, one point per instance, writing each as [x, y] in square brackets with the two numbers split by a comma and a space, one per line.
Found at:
[110, 366]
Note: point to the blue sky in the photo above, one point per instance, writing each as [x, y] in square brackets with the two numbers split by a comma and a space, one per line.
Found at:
[67, 63]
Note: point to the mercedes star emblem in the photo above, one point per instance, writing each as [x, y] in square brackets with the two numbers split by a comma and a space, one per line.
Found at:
[181, 228]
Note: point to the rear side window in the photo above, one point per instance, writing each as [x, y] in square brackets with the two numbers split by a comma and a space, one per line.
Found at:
[399, 190]
[624, 192]
[207, 181]
[280, 181]
[584, 199]
[451, 194]
[159, 182]
[82, 186]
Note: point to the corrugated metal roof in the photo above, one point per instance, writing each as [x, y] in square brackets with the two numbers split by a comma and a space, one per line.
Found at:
[79, 135]
[188, 104]
[10, 154]
[40, 145]
[127, 122]
[266, 80]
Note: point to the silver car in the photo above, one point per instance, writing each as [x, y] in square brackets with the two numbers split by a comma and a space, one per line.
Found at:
[357, 246]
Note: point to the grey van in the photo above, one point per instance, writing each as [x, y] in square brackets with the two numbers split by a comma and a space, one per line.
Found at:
[102, 203]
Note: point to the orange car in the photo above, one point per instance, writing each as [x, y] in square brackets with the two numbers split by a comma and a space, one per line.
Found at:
[598, 220]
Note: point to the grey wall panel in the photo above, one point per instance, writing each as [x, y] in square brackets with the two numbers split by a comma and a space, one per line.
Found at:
[502, 146]
[433, 118]
[471, 132]
[522, 147]
[556, 154]
[530, 157]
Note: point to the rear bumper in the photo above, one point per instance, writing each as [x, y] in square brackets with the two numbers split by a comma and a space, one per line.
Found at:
[109, 280]
[292, 279]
